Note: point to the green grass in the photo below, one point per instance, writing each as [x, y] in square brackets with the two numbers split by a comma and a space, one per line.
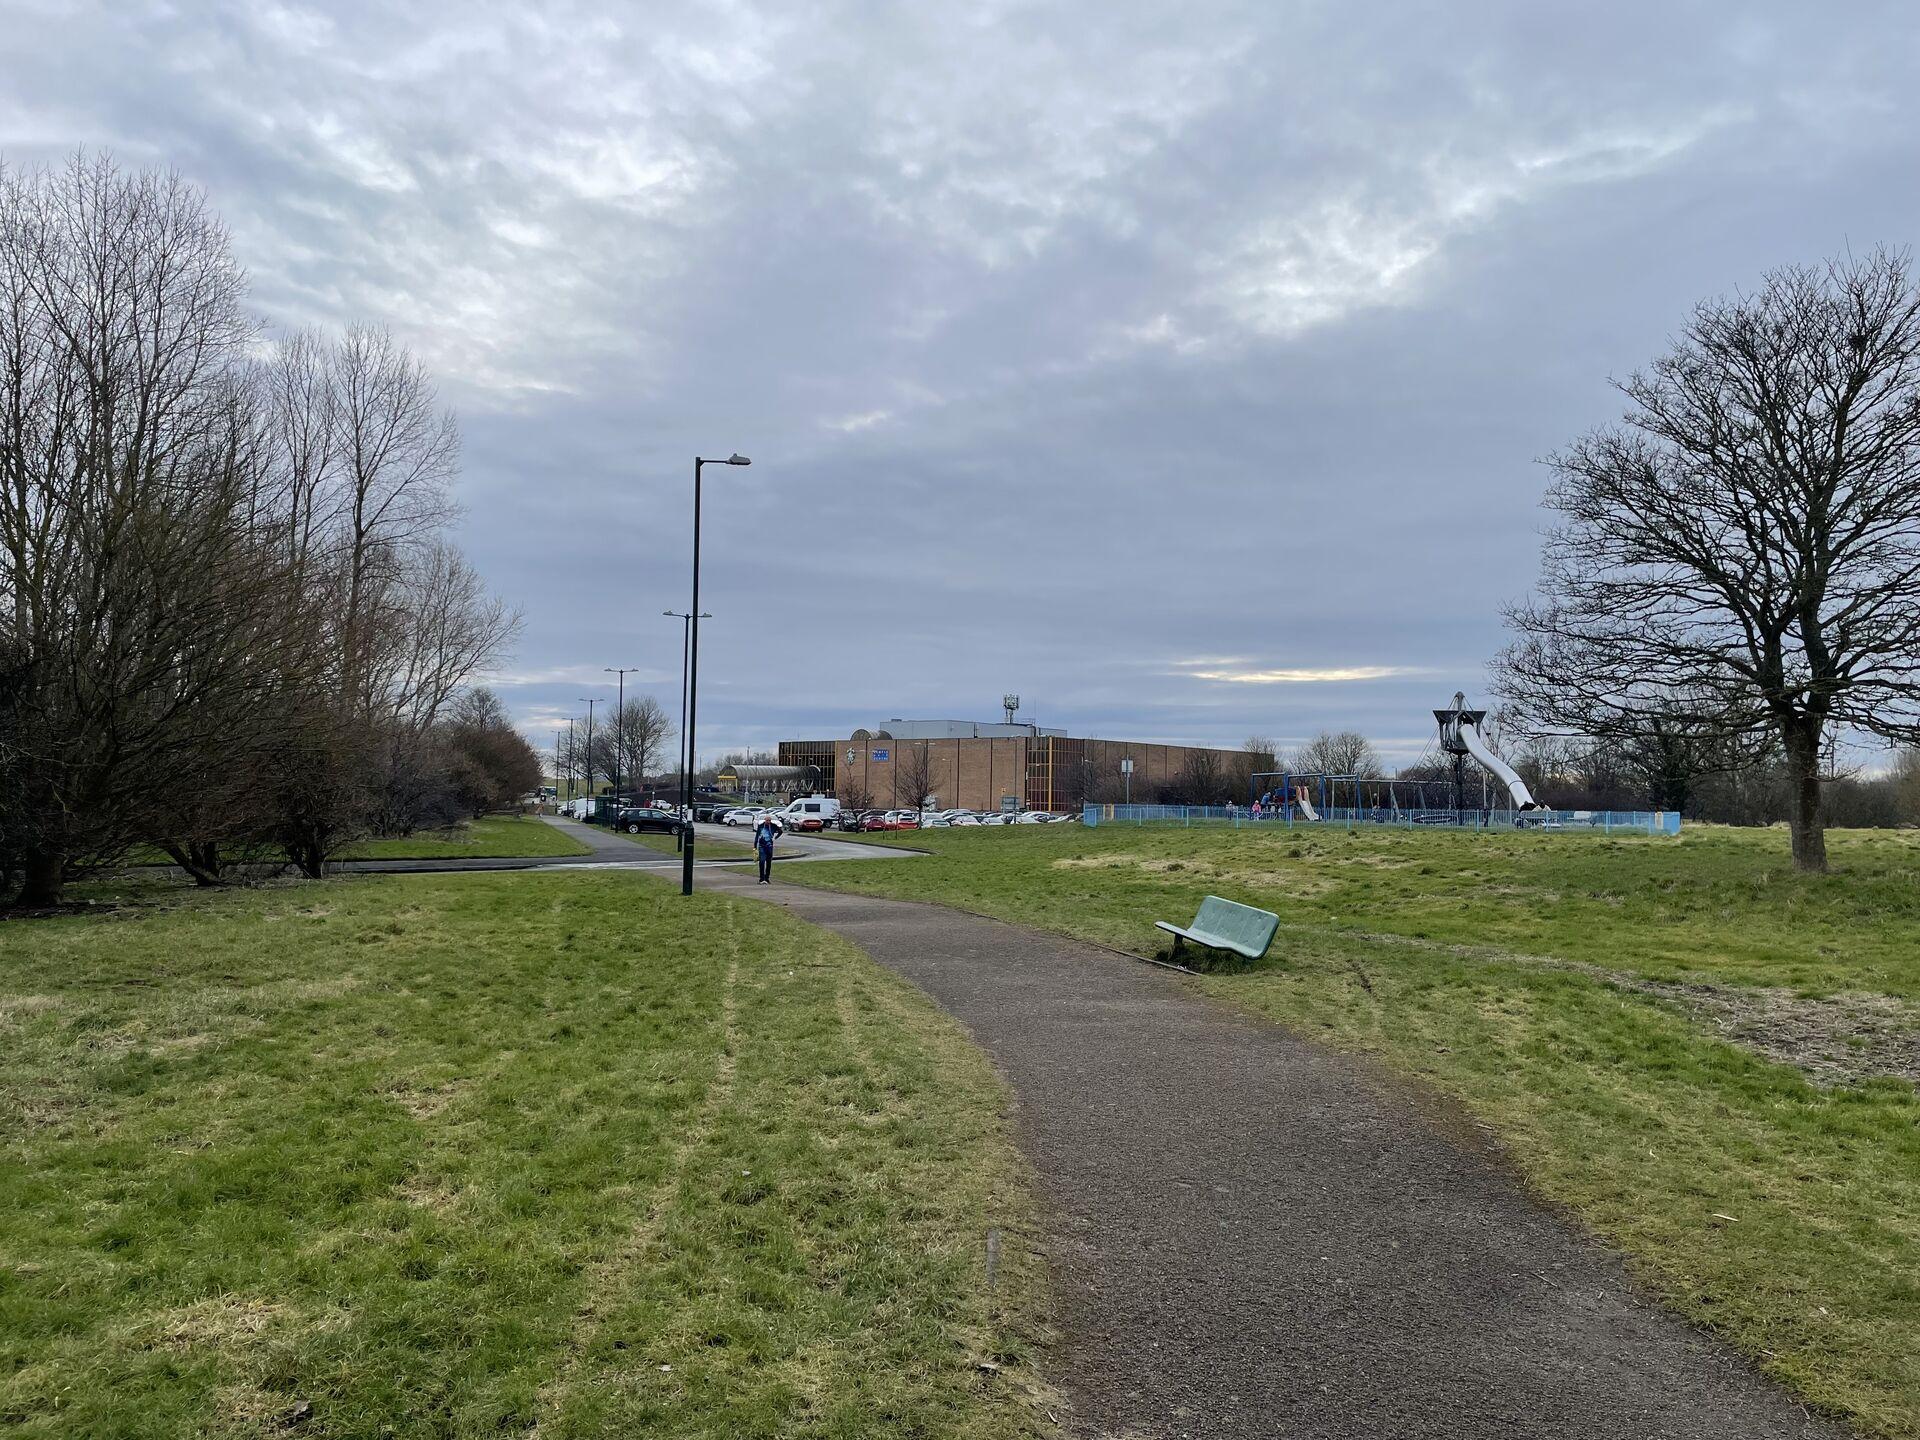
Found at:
[435, 1156]
[1441, 953]
[1716, 903]
[704, 849]
[494, 837]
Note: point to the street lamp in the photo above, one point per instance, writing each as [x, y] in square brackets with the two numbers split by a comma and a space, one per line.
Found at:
[589, 702]
[619, 722]
[693, 668]
[686, 631]
[573, 758]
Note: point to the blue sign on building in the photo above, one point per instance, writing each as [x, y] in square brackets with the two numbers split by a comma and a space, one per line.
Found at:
[880, 754]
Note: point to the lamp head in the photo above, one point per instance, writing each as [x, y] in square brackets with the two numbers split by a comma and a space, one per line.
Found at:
[738, 459]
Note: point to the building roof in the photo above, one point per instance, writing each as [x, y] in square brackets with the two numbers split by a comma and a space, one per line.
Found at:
[772, 772]
[955, 729]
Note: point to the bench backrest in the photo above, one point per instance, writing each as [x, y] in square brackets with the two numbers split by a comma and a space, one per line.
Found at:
[1241, 924]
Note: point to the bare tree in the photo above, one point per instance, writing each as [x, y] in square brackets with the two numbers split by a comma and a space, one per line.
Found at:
[1742, 555]
[396, 454]
[1078, 781]
[1906, 783]
[1336, 752]
[490, 762]
[913, 774]
[224, 600]
[633, 741]
[1205, 780]
[1258, 755]
[140, 608]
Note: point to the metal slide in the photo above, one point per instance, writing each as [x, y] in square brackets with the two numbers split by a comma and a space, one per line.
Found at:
[1478, 748]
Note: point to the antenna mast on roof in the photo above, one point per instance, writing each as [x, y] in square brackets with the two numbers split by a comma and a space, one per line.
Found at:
[1011, 703]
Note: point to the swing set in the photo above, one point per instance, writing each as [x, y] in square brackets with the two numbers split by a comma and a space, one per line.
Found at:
[1288, 796]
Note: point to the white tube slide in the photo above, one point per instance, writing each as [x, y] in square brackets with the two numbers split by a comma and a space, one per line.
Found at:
[1306, 805]
[1478, 748]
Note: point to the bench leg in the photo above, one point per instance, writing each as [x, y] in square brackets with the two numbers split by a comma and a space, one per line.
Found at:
[1174, 954]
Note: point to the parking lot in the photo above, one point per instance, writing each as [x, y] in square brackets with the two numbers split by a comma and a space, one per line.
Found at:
[834, 816]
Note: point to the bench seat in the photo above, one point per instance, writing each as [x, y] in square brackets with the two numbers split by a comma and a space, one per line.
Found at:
[1226, 925]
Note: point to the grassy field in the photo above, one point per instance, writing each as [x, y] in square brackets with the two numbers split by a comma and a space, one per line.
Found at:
[704, 849]
[495, 837]
[427, 1156]
[1681, 1042]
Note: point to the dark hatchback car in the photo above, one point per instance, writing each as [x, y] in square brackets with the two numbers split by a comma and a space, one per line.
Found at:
[646, 818]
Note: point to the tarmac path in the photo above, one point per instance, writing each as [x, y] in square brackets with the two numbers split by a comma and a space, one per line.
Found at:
[1251, 1236]
[608, 851]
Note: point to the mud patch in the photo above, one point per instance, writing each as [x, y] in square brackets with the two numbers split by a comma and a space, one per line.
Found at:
[1832, 1040]
[221, 1322]
[1292, 883]
[1837, 1040]
[425, 1193]
[423, 1102]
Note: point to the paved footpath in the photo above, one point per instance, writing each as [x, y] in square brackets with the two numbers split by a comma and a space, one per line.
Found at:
[608, 851]
[1251, 1236]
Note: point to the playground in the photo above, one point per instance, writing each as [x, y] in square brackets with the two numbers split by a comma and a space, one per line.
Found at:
[1440, 791]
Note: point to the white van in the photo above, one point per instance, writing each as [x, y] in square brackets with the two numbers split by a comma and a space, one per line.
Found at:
[814, 812]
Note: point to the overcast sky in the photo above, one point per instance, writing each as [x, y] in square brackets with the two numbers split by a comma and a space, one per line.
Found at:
[1182, 368]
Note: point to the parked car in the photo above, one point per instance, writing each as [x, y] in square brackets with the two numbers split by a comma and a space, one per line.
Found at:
[739, 815]
[966, 817]
[711, 811]
[645, 817]
[821, 808]
[854, 820]
[876, 820]
[1034, 817]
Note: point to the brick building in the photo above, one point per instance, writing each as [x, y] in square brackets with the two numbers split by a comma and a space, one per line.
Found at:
[997, 766]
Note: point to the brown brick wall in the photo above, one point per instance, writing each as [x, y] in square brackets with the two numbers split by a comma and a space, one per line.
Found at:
[976, 773]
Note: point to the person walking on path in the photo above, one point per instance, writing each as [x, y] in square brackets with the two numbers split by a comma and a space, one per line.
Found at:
[763, 834]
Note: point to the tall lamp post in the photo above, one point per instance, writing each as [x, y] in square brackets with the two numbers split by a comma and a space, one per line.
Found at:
[619, 722]
[686, 634]
[572, 758]
[589, 702]
[693, 668]
[556, 765]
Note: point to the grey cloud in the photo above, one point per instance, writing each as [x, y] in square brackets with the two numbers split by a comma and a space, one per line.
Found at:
[1070, 341]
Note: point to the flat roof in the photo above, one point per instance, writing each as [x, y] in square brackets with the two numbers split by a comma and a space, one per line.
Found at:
[957, 729]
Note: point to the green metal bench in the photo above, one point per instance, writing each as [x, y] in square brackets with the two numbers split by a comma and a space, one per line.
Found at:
[1226, 925]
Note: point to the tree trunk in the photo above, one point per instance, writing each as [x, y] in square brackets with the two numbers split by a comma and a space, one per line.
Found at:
[309, 857]
[1808, 825]
[200, 860]
[44, 880]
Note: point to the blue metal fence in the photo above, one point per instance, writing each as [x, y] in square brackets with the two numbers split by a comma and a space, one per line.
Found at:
[1643, 822]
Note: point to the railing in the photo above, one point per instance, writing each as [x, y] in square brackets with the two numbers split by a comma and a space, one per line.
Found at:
[1643, 822]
